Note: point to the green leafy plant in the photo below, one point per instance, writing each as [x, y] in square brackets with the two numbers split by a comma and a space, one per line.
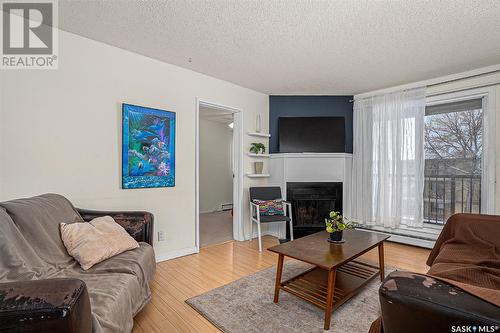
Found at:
[257, 148]
[336, 222]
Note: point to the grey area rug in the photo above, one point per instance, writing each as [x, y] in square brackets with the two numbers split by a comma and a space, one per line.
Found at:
[246, 305]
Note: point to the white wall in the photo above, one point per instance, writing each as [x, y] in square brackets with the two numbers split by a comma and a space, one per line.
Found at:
[216, 174]
[60, 131]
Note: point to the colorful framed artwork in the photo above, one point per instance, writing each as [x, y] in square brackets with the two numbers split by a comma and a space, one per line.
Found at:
[148, 147]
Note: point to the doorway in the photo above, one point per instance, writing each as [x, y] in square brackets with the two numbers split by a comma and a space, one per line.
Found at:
[218, 175]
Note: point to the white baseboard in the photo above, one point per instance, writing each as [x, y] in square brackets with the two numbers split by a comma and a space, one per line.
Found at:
[176, 254]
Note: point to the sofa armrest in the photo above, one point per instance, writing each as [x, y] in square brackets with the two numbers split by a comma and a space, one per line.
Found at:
[138, 224]
[51, 305]
[414, 303]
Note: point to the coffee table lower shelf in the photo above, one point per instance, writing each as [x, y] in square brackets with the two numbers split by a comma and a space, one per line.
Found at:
[312, 285]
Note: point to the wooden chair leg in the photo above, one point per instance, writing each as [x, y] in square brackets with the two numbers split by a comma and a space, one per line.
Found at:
[260, 237]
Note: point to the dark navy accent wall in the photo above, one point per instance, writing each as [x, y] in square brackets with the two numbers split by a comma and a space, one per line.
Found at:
[309, 106]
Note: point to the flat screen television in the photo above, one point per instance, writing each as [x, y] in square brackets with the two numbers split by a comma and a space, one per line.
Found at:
[311, 134]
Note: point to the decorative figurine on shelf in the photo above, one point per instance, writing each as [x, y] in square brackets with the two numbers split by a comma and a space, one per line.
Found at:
[257, 124]
[336, 224]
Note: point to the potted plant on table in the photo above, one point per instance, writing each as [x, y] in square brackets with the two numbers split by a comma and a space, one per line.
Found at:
[336, 224]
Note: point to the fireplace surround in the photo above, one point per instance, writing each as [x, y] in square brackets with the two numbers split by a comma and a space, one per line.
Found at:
[311, 204]
[311, 168]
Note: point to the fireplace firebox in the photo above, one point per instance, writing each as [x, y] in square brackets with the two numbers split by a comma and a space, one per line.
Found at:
[311, 204]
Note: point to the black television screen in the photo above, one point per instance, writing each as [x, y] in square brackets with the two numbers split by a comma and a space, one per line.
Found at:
[311, 134]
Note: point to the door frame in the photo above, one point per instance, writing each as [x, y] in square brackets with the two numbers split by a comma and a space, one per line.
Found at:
[237, 168]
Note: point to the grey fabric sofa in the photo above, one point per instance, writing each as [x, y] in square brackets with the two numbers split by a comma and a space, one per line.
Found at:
[43, 289]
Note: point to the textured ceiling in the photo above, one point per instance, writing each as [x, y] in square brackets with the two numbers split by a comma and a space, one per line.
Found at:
[299, 47]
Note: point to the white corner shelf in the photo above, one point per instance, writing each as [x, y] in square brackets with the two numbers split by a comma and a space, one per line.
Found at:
[258, 175]
[258, 155]
[261, 135]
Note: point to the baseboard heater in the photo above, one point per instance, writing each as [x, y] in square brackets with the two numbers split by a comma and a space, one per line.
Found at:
[398, 237]
[227, 206]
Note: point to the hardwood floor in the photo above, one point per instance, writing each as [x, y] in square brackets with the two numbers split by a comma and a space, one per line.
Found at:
[182, 278]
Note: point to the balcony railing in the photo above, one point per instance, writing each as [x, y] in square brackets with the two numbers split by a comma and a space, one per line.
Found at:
[445, 195]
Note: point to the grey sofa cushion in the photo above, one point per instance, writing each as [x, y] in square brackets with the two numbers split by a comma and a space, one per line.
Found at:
[122, 279]
[38, 220]
[139, 262]
[18, 260]
[114, 299]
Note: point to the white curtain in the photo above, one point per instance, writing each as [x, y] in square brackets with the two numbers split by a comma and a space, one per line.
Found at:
[388, 159]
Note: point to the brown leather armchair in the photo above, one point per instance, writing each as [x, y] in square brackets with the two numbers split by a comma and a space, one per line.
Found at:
[416, 303]
[51, 305]
[464, 260]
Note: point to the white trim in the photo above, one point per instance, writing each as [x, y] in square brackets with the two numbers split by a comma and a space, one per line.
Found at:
[262, 135]
[258, 175]
[258, 155]
[488, 162]
[436, 81]
[237, 163]
[176, 254]
[238, 224]
[213, 211]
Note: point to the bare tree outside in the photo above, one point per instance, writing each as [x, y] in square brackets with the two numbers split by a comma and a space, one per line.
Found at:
[453, 150]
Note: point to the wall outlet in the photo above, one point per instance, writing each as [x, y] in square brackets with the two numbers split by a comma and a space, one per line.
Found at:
[161, 236]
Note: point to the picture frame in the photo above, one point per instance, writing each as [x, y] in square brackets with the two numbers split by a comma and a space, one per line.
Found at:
[148, 147]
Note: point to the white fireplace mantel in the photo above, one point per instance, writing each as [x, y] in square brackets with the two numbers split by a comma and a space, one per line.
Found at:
[312, 167]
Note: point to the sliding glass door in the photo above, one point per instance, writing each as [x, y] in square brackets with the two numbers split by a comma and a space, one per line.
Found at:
[459, 157]
[453, 159]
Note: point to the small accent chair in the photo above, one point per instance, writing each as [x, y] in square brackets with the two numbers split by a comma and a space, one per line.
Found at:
[268, 193]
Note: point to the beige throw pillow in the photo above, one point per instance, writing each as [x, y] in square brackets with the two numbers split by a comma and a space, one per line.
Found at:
[92, 242]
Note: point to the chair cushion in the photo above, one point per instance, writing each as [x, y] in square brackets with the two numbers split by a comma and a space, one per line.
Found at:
[274, 218]
[270, 207]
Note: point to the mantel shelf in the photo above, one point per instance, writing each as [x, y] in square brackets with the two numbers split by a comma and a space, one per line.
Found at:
[262, 135]
[258, 175]
[258, 155]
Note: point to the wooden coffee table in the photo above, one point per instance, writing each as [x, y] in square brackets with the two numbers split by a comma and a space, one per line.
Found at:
[336, 276]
